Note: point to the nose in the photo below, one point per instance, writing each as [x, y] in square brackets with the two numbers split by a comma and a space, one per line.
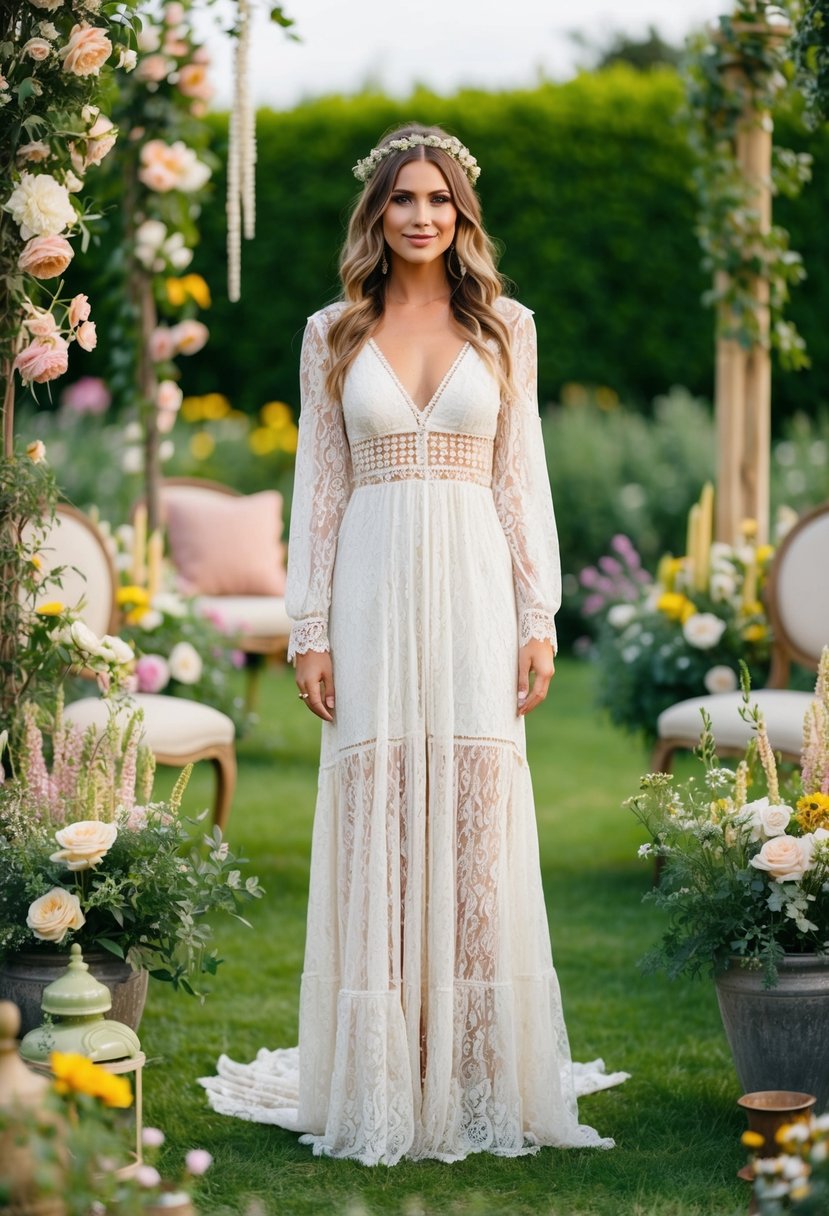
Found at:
[423, 214]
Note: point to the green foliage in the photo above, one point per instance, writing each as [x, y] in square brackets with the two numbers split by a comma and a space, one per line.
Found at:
[810, 47]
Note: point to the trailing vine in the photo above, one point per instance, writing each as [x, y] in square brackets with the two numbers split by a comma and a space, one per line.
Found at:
[810, 49]
[745, 67]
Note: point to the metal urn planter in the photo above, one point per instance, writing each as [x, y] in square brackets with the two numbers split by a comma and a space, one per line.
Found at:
[779, 1037]
[24, 976]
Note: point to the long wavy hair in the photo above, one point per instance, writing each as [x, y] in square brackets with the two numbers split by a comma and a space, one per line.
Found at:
[473, 294]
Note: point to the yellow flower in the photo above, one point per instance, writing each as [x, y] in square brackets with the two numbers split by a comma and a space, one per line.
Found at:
[51, 608]
[215, 406]
[289, 440]
[202, 445]
[197, 289]
[753, 608]
[36, 561]
[813, 811]
[752, 1140]
[749, 529]
[276, 414]
[136, 616]
[676, 607]
[75, 1074]
[764, 554]
[192, 409]
[263, 440]
[755, 633]
[176, 294]
[137, 596]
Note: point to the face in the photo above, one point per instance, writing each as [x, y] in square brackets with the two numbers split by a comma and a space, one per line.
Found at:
[419, 220]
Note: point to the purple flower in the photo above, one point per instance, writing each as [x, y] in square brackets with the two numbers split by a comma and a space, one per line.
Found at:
[610, 566]
[237, 658]
[198, 1161]
[589, 576]
[593, 604]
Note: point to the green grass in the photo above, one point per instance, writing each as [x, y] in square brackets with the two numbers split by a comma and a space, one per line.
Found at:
[675, 1122]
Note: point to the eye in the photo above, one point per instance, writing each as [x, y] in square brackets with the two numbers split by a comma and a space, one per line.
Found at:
[400, 198]
[441, 198]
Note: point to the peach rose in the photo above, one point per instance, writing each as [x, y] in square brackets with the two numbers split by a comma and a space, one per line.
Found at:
[174, 46]
[87, 335]
[42, 325]
[100, 140]
[157, 177]
[784, 858]
[168, 396]
[84, 844]
[35, 152]
[193, 82]
[36, 451]
[79, 310]
[162, 345]
[52, 916]
[37, 49]
[43, 359]
[154, 68]
[86, 51]
[171, 167]
[190, 336]
[44, 257]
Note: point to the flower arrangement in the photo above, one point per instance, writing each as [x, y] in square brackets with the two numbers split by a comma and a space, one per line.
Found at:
[684, 633]
[87, 856]
[797, 1179]
[745, 854]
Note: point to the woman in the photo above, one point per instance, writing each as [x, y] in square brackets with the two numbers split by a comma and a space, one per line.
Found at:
[423, 582]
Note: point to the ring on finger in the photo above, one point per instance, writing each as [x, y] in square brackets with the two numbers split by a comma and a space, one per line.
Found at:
[303, 696]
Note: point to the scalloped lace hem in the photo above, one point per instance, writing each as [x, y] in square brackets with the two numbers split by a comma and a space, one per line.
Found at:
[308, 635]
[537, 626]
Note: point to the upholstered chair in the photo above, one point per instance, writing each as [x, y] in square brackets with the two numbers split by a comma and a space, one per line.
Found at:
[178, 731]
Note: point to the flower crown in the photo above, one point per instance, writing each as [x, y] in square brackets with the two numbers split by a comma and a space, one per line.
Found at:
[365, 169]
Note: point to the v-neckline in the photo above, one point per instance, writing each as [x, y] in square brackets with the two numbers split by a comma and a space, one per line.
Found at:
[420, 414]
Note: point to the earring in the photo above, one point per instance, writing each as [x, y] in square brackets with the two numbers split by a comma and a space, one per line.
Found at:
[384, 266]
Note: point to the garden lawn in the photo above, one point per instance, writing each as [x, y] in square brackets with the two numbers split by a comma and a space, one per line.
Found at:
[675, 1122]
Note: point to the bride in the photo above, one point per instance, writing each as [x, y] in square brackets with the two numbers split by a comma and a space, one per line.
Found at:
[423, 583]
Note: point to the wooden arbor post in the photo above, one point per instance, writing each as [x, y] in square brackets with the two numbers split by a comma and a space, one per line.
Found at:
[743, 374]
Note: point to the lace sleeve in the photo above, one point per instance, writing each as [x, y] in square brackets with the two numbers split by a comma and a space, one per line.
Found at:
[322, 487]
[521, 487]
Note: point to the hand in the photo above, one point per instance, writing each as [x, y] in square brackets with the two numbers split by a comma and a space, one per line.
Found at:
[315, 676]
[535, 657]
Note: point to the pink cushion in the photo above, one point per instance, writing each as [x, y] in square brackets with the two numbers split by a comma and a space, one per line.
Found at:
[221, 544]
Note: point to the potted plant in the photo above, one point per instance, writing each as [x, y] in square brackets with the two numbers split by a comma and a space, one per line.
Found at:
[745, 885]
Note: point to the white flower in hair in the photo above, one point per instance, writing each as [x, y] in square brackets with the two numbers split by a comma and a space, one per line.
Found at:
[365, 169]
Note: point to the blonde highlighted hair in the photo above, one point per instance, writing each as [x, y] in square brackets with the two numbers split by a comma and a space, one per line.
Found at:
[473, 294]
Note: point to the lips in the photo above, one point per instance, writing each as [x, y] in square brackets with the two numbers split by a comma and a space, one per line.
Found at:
[420, 240]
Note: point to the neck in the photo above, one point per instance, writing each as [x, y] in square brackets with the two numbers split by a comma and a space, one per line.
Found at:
[408, 284]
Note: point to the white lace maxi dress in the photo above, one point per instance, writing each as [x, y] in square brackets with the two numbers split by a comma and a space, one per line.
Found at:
[423, 546]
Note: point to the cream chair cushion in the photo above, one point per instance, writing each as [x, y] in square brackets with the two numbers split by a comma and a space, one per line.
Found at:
[258, 616]
[782, 709]
[172, 726]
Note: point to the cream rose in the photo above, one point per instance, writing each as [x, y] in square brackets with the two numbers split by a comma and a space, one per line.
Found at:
[35, 152]
[154, 68]
[116, 649]
[41, 206]
[37, 49]
[45, 257]
[100, 140]
[84, 844]
[784, 858]
[86, 51]
[43, 360]
[720, 679]
[703, 630]
[765, 819]
[185, 663]
[42, 325]
[168, 396]
[190, 336]
[48, 5]
[87, 335]
[52, 915]
[127, 58]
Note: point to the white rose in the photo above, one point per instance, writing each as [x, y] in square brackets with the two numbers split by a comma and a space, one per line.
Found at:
[85, 843]
[149, 38]
[151, 619]
[169, 603]
[52, 915]
[127, 58]
[185, 663]
[81, 638]
[621, 615]
[703, 630]
[814, 839]
[723, 585]
[41, 206]
[784, 858]
[720, 679]
[116, 649]
[47, 29]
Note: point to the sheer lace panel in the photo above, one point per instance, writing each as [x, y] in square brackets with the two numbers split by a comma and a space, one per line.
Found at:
[521, 489]
[413, 455]
[322, 487]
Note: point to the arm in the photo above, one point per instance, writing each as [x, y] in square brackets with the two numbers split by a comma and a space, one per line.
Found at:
[521, 488]
[322, 487]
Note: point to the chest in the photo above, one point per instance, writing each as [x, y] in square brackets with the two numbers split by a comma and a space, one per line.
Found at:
[420, 352]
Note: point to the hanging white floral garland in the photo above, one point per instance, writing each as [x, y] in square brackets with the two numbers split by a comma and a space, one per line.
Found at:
[241, 162]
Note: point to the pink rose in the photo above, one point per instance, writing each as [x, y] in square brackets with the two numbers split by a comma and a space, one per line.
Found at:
[89, 395]
[157, 177]
[175, 47]
[174, 13]
[154, 68]
[168, 396]
[44, 257]
[201, 55]
[100, 140]
[153, 672]
[87, 335]
[784, 858]
[43, 360]
[42, 325]
[35, 152]
[86, 51]
[79, 310]
[165, 420]
[189, 337]
[37, 49]
[162, 344]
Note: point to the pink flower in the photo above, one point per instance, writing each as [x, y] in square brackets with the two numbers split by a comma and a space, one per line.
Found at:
[79, 310]
[165, 421]
[193, 82]
[174, 13]
[100, 140]
[237, 659]
[154, 68]
[168, 396]
[44, 257]
[42, 325]
[42, 360]
[36, 451]
[152, 1137]
[36, 152]
[37, 49]
[171, 167]
[189, 337]
[162, 345]
[176, 47]
[198, 1161]
[153, 672]
[147, 1175]
[89, 395]
[86, 51]
[87, 335]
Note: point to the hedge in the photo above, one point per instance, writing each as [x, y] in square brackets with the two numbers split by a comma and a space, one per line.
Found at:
[585, 184]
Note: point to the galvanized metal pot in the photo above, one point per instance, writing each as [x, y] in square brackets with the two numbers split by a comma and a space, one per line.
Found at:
[779, 1037]
[23, 977]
